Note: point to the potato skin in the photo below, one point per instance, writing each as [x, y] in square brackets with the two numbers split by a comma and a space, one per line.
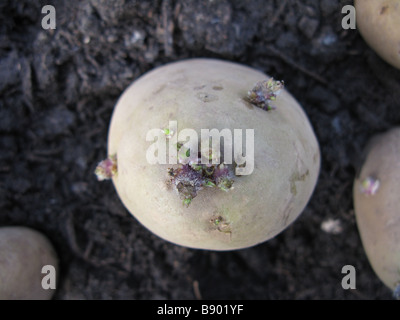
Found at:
[287, 156]
[379, 23]
[378, 215]
[23, 253]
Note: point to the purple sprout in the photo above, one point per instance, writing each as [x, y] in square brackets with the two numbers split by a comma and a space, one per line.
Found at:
[187, 182]
[190, 178]
[264, 92]
[223, 177]
[107, 168]
[369, 186]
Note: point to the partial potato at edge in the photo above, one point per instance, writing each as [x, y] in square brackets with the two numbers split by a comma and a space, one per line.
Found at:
[377, 208]
[23, 254]
[379, 23]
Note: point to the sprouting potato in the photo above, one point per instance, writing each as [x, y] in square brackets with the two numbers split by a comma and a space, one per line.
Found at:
[23, 254]
[227, 203]
[377, 207]
[379, 23]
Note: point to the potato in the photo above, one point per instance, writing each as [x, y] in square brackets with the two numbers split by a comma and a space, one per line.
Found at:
[212, 94]
[377, 206]
[379, 23]
[23, 253]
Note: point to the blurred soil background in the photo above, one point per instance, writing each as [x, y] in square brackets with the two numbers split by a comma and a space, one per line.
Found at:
[58, 90]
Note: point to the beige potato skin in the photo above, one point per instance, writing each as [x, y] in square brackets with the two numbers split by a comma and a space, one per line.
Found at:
[287, 156]
[379, 23]
[378, 215]
[23, 253]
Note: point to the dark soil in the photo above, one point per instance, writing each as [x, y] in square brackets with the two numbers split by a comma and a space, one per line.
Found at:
[58, 89]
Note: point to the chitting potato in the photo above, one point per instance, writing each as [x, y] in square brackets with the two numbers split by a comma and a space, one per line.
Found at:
[221, 197]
